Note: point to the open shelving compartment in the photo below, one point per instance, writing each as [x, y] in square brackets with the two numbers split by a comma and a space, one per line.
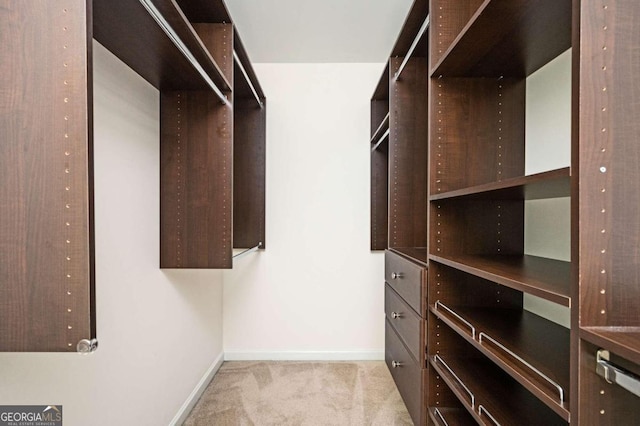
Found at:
[399, 139]
[480, 272]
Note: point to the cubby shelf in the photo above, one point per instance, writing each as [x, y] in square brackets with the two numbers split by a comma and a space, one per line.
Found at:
[450, 416]
[520, 333]
[551, 184]
[416, 254]
[530, 33]
[485, 391]
[624, 341]
[539, 276]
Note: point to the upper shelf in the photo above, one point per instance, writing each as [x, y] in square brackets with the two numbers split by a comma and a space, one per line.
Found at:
[530, 34]
[149, 43]
[552, 184]
[545, 278]
[246, 84]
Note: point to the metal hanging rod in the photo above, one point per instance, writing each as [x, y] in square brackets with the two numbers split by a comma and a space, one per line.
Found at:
[246, 76]
[385, 122]
[382, 138]
[614, 374]
[166, 27]
[424, 28]
[252, 249]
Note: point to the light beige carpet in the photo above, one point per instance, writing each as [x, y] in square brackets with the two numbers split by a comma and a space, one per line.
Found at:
[301, 393]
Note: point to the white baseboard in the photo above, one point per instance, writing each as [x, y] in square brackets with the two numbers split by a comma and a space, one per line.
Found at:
[195, 395]
[304, 356]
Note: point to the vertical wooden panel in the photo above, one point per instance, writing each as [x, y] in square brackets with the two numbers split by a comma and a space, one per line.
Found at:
[249, 172]
[379, 197]
[196, 175]
[46, 265]
[408, 154]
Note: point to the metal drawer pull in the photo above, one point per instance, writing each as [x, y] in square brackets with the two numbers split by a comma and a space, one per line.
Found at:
[396, 275]
[439, 414]
[616, 375]
[481, 410]
[531, 367]
[396, 315]
[473, 398]
[467, 323]
[396, 364]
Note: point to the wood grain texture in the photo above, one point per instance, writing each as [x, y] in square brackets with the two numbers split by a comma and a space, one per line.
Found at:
[219, 41]
[196, 177]
[46, 246]
[409, 376]
[249, 173]
[127, 30]
[379, 197]
[413, 22]
[408, 154]
[410, 281]
[477, 132]
[407, 323]
[510, 38]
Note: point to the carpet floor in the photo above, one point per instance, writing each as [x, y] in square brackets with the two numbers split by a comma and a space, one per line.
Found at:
[300, 393]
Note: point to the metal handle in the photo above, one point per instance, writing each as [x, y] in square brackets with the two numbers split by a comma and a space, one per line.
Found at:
[396, 315]
[473, 398]
[86, 346]
[531, 367]
[439, 414]
[616, 375]
[467, 323]
[482, 410]
[396, 364]
[396, 275]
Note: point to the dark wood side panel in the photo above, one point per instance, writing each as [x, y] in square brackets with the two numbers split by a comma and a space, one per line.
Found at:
[408, 154]
[249, 165]
[46, 265]
[218, 40]
[196, 160]
[379, 198]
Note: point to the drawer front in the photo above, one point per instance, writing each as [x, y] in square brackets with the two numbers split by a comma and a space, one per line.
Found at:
[406, 278]
[407, 374]
[406, 322]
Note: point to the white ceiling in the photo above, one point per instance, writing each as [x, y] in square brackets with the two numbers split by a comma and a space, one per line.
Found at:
[318, 30]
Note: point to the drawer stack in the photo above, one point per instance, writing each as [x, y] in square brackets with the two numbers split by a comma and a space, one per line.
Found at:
[405, 330]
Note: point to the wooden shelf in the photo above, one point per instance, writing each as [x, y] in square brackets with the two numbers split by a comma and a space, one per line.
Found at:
[551, 184]
[510, 38]
[521, 333]
[545, 278]
[451, 416]
[505, 400]
[416, 254]
[623, 341]
[128, 30]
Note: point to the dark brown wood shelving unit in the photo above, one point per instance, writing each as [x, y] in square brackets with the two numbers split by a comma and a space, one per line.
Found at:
[545, 278]
[185, 50]
[624, 341]
[500, 396]
[518, 335]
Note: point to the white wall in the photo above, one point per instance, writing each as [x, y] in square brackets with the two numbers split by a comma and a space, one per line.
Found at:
[159, 331]
[317, 291]
[548, 147]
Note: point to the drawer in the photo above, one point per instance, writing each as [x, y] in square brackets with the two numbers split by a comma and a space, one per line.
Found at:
[406, 278]
[407, 374]
[408, 325]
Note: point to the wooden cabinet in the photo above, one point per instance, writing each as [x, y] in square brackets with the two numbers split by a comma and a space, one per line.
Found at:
[405, 336]
[489, 359]
[211, 188]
